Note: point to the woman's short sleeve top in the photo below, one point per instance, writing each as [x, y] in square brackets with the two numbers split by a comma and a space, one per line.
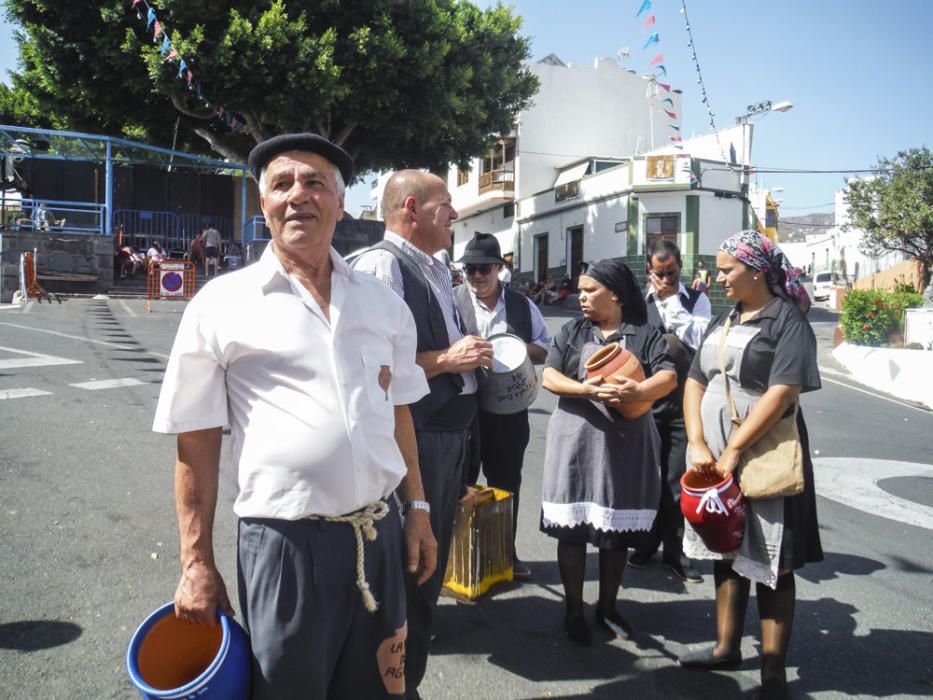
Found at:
[780, 349]
[643, 341]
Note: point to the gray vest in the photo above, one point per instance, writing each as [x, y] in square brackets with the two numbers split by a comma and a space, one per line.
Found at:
[444, 409]
[517, 313]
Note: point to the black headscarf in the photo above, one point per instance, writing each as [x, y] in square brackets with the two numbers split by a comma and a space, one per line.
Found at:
[618, 278]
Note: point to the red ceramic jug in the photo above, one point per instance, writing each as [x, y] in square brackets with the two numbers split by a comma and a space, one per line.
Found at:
[611, 362]
[715, 508]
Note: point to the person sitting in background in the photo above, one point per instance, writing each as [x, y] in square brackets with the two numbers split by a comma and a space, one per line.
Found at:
[196, 251]
[155, 253]
[43, 220]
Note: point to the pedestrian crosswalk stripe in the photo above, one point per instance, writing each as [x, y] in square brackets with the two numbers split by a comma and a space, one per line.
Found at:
[24, 393]
[33, 359]
[108, 384]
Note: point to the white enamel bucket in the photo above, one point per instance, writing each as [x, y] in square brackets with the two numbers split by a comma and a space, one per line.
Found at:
[511, 385]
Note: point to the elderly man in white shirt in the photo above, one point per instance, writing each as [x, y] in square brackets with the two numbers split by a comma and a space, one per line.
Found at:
[682, 314]
[418, 213]
[487, 307]
[312, 366]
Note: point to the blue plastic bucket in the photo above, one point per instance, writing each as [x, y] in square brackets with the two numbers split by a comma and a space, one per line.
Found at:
[174, 659]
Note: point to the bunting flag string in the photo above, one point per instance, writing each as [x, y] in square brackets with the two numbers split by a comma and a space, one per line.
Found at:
[185, 73]
[705, 98]
[658, 71]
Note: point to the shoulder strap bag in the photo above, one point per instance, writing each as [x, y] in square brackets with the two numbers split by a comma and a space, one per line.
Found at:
[772, 467]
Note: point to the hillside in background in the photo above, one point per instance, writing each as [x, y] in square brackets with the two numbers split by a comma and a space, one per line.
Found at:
[797, 227]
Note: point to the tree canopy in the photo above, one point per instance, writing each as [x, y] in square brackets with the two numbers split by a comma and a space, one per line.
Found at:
[895, 208]
[398, 83]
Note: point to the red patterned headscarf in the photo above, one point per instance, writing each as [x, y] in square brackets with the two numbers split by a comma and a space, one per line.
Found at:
[761, 253]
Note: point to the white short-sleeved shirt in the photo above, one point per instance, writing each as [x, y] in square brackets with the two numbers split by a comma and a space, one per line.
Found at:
[312, 426]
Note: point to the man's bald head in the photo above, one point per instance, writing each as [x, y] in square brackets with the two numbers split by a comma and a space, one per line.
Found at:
[416, 205]
[402, 185]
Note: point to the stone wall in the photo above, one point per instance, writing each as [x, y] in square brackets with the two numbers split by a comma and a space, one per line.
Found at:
[907, 272]
[87, 262]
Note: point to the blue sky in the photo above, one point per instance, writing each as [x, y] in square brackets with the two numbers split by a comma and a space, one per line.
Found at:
[857, 72]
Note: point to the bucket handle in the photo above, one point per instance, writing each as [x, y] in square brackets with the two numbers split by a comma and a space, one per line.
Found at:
[712, 503]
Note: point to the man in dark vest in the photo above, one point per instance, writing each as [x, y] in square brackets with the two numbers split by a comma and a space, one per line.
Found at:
[418, 213]
[487, 306]
[682, 314]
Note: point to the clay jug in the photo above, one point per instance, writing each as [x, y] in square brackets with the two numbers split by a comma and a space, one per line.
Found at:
[716, 510]
[613, 362]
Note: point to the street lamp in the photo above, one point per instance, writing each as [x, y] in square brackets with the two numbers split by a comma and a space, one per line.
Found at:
[763, 108]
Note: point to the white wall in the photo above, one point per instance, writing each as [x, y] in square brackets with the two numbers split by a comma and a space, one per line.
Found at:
[581, 111]
[719, 219]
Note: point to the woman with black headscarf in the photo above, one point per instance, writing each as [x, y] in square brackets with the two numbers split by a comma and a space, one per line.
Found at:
[601, 470]
[768, 351]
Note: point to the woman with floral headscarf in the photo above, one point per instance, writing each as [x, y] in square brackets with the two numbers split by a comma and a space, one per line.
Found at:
[770, 359]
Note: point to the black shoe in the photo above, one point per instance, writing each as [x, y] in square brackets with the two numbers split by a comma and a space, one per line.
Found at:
[520, 571]
[577, 630]
[684, 570]
[773, 689]
[615, 624]
[705, 660]
[639, 560]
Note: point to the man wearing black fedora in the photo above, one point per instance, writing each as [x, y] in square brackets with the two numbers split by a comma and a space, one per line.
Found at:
[487, 306]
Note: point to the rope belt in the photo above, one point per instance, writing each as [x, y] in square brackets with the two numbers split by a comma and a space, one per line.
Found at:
[362, 522]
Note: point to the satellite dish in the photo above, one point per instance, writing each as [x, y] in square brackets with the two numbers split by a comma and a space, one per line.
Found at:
[624, 53]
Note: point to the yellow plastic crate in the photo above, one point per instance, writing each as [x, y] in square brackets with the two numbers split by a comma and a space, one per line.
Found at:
[481, 546]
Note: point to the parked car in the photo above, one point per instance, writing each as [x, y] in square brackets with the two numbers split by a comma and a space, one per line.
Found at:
[822, 284]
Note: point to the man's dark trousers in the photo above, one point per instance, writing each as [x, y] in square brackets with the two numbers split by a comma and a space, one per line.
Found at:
[440, 456]
[668, 527]
[502, 442]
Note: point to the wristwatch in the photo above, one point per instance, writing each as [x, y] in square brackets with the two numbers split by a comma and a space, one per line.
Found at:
[416, 505]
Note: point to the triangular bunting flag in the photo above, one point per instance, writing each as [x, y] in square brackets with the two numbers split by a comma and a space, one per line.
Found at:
[672, 115]
[190, 78]
[156, 30]
[656, 60]
[674, 127]
[646, 5]
[150, 18]
[666, 86]
[182, 67]
[660, 69]
[653, 39]
[649, 22]
[669, 101]
[677, 138]
[166, 45]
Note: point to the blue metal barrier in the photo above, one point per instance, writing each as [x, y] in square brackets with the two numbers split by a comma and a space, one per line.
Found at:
[175, 231]
[255, 229]
[61, 217]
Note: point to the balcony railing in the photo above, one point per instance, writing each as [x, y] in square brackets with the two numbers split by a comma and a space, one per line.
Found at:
[497, 180]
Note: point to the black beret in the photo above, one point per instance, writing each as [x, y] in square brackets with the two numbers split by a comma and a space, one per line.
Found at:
[263, 152]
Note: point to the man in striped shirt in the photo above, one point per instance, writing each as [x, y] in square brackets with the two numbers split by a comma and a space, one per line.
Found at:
[418, 213]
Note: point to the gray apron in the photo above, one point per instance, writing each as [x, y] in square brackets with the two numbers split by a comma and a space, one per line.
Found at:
[600, 469]
[758, 556]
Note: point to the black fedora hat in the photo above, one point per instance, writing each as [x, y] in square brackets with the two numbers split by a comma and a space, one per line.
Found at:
[484, 248]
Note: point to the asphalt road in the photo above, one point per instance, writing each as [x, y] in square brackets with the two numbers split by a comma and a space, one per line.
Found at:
[88, 540]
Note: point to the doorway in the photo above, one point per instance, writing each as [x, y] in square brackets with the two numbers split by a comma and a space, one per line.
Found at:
[541, 256]
[575, 253]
